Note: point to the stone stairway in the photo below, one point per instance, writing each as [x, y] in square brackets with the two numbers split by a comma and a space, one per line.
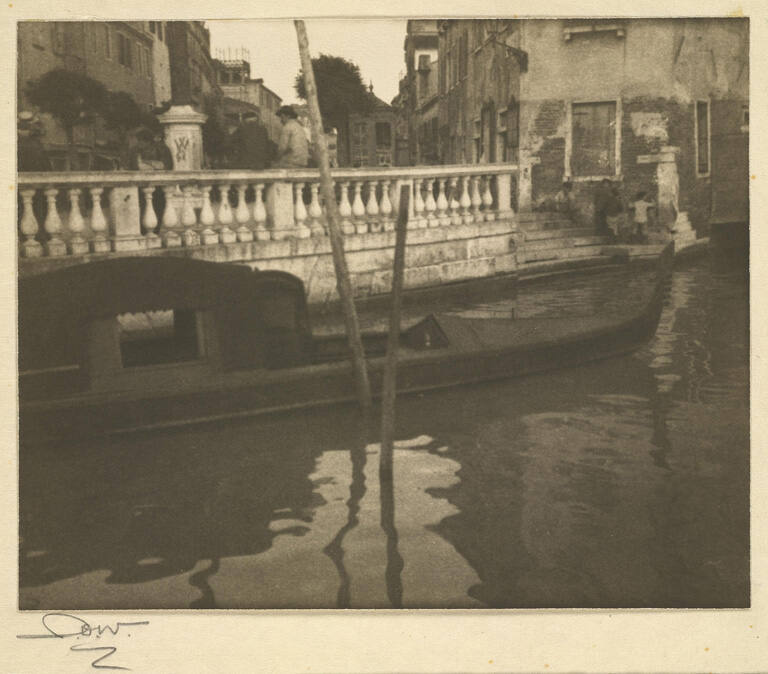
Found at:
[551, 239]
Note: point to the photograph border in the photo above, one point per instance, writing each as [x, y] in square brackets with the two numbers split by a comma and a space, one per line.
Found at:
[439, 642]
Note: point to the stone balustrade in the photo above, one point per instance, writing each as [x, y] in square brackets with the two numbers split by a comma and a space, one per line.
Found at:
[80, 215]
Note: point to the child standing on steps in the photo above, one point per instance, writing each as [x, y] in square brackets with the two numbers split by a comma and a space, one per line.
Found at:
[641, 207]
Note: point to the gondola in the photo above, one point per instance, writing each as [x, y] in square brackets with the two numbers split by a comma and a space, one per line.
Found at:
[142, 343]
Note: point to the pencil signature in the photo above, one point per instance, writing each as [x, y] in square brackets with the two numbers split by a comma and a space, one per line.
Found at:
[66, 626]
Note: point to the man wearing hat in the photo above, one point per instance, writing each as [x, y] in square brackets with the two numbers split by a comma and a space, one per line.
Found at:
[293, 148]
[250, 144]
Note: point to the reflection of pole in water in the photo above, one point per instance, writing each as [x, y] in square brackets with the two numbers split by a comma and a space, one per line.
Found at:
[357, 489]
[200, 581]
[394, 560]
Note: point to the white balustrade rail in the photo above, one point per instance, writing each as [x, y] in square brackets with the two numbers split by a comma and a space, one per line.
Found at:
[67, 214]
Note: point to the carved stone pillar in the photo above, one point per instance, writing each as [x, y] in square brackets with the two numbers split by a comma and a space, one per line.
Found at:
[184, 136]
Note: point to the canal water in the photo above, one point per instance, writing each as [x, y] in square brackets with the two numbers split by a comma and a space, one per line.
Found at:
[619, 484]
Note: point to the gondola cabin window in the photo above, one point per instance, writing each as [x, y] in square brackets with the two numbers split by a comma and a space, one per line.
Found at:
[156, 337]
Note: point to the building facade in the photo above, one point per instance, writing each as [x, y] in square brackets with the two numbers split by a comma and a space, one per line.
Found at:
[118, 54]
[234, 79]
[371, 136]
[194, 79]
[419, 90]
[161, 64]
[655, 105]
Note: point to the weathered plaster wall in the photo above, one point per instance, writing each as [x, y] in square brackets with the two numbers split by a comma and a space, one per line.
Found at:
[657, 70]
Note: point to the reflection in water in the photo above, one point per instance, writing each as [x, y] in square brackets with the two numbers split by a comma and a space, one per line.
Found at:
[394, 560]
[335, 549]
[199, 580]
[622, 483]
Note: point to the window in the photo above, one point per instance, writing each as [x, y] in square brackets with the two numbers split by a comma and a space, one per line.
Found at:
[155, 337]
[454, 66]
[424, 61]
[593, 139]
[463, 55]
[152, 27]
[383, 135]
[107, 41]
[442, 83]
[702, 138]
[160, 31]
[509, 126]
[124, 51]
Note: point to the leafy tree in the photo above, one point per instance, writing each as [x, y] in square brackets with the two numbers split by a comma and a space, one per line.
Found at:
[72, 98]
[340, 91]
[122, 113]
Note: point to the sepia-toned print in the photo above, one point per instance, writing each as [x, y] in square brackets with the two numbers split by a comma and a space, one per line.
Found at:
[455, 318]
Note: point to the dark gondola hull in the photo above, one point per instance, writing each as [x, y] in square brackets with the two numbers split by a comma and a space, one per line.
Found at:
[478, 350]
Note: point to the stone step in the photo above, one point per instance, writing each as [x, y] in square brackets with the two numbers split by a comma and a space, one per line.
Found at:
[575, 242]
[537, 221]
[566, 232]
[526, 256]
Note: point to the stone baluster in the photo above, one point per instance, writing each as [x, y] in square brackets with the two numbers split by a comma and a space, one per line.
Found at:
[465, 202]
[55, 246]
[99, 242]
[453, 202]
[477, 200]
[149, 219]
[78, 245]
[30, 247]
[372, 207]
[243, 214]
[385, 207]
[442, 204]
[224, 216]
[345, 210]
[189, 236]
[316, 212]
[170, 221]
[207, 218]
[430, 205]
[418, 204]
[358, 209]
[260, 213]
[300, 212]
[488, 213]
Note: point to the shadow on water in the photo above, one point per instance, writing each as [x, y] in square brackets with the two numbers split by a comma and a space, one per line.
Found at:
[147, 508]
[394, 565]
[357, 489]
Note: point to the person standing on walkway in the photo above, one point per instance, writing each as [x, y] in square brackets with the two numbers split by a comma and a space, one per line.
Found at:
[641, 207]
[250, 144]
[293, 148]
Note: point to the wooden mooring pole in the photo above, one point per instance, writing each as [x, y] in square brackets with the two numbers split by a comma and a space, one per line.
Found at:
[334, 231]
[390, 366]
